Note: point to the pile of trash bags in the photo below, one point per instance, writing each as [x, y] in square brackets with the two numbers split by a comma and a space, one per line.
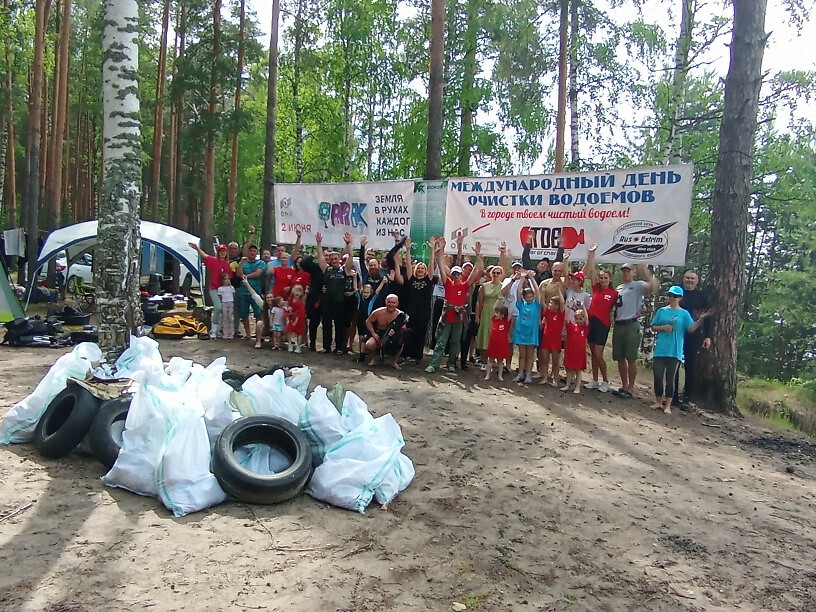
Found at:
[182, 434]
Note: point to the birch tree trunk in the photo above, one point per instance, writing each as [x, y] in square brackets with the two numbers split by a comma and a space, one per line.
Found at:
[268, 217]
[119, 241]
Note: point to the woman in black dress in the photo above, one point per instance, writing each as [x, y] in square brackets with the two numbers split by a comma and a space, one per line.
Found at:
[415, 301]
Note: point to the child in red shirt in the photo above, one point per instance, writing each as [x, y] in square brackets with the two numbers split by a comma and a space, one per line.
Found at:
[498, 344]
[296, 319]
[551, 340]
[575, 354]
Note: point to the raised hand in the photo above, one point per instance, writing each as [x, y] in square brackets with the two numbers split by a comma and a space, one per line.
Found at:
[363, 241]
[318, 238]
[502, 247]
[408, 244]
[347, 237]
[298, 233]
[593, 248]
[477, 248]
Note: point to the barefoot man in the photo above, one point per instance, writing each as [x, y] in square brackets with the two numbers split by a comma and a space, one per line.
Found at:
[386, 329]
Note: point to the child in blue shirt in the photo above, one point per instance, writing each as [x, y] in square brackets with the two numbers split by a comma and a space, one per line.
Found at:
[671, 323]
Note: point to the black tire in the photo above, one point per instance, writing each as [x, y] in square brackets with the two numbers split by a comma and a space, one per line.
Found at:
[253, 488]
[105, 432]
[65, 421]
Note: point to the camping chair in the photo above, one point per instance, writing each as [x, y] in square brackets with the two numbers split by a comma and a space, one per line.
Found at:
[84, 295]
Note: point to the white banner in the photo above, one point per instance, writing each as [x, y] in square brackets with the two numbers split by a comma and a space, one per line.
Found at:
[637, 214]
[363, 209]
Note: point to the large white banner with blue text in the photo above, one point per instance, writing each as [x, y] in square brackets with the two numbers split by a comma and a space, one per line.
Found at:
[637, 214]
[374, 210]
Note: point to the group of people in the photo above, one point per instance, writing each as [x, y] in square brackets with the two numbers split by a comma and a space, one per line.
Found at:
[471, 313]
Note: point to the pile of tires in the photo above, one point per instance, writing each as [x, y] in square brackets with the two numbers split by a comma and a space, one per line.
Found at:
[75, 413]
[256, 488]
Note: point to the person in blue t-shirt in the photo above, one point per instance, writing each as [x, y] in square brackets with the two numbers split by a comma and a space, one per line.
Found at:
[671, 323]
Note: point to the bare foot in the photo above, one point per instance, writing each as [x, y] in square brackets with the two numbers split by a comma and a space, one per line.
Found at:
[501, 379]
[657, 405]
[488, 377]
[373, 362]
[667, 410]
[257, 345]
[396, 366]
[577, 389]
[567, 388]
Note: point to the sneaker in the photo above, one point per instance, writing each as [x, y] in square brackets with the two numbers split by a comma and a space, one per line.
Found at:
[604, 388]
[429, 353]
[592, 384]
[519, 378]
[624, 394]
[483, 367]
[451, 368]
[430, 369]
[685, 406]
[325, 352]
[298, 348]
[528, 379]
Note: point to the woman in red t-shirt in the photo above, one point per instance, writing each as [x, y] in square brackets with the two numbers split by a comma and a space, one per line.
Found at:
[604, 297]
[216, 266]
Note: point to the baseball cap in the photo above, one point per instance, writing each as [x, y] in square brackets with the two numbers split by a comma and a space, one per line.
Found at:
[221, 247]
[579, 275]
[675, 290]
[516, 263]
[627, 265]
[456, 270]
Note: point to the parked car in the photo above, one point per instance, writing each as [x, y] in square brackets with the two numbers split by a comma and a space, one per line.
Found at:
[81, 269]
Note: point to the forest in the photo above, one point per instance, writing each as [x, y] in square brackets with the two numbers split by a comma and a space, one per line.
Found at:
[530, 86]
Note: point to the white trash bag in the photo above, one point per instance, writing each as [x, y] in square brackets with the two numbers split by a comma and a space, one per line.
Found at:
[321, 422]
[270, 395]
[21, 420]
[359, 464]
[183, 478]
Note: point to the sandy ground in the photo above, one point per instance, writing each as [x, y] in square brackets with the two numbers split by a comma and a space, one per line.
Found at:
[524, 499]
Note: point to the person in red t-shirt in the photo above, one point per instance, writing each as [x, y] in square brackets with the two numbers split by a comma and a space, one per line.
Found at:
[551, 340]
[295, 319]
[604, 298]
[498, 344]
[284, 277]
[575, 351]
[216, 266]
[454, 309]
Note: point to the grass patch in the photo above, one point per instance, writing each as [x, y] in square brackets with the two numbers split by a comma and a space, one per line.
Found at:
[791, 405]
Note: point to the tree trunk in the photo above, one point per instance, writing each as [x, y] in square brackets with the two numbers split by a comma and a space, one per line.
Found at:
[208, 208]
[53, 186]
[32, 171]
[268, 221]
[678, 86]
[296, 104]
[433, 154]
[732, 193]
[158, 118]
[469, 100]
[232, 190]
[118, 248]
[575, 125]
[561, 112]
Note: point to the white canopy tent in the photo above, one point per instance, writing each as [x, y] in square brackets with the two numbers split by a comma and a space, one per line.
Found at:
[80, 237]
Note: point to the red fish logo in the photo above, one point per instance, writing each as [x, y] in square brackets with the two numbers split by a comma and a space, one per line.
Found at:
[571, 238]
